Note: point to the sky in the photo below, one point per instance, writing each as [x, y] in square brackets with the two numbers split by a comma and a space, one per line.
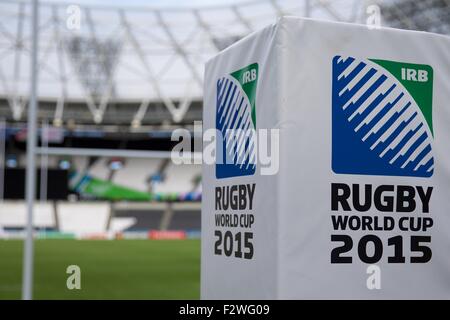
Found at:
[150, 3]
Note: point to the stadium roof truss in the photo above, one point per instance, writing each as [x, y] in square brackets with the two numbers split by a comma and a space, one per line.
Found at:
[138, 65]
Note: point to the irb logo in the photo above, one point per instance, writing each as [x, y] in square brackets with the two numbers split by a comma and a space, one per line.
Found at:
[382, 124]
[236, 115]
[409, 74]
[249, 76]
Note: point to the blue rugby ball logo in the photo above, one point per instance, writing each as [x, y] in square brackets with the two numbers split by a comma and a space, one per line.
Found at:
[378, 128]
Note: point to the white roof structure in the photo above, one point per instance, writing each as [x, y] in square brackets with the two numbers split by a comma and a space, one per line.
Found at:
[96, 56]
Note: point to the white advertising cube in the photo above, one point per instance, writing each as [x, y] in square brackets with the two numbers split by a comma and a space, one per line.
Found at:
[342, 187]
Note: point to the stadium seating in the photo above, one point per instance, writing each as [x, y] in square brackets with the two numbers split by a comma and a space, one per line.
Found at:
[92, 217]
[178, 178]
[100, 169]
[85, 217]
[185, 220]
[135, 173]
[13, 215]
[79, 163]
[95, 217]
[119, 224]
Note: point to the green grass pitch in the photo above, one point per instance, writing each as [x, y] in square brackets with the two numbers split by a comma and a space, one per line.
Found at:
[117, 269]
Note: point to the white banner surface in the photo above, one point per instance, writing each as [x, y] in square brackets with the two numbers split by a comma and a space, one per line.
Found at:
[354, 200]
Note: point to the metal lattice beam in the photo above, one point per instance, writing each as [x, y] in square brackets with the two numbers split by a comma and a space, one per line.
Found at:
[159, 53]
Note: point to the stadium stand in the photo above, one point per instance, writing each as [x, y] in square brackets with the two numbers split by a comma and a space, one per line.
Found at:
[120, 224]
[178, 178]
[13, 215]
[136, 172]
[185, 220]
[143, 220]
[79, 163]
[100, 217]
[85, 217]
[145, 175]
[100, 169]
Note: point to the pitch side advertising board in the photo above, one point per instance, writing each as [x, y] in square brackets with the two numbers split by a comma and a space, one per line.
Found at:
[335, 179]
